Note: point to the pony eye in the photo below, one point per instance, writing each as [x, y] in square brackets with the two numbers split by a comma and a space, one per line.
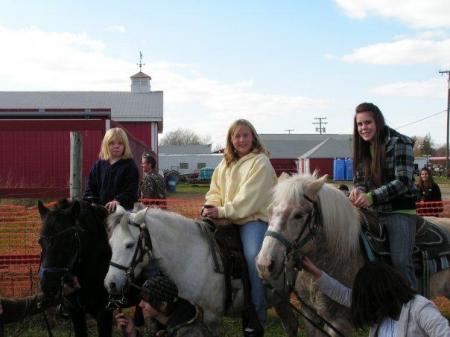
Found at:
[298, 215]
[129, 245]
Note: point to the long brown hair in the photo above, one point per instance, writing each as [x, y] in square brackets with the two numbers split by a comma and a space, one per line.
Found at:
[429, 182]
[373, 167]
[230, 153]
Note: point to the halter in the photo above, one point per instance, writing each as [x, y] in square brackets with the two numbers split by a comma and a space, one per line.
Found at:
[293, 247]
[144, 247]
[67, 270]
[292, 259]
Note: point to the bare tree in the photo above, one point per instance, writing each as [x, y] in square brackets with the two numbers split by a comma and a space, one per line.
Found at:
[423, 145]
[184, 137]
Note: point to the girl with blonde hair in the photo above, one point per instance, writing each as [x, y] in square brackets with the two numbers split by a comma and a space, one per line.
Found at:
[114, 178]
[240, 191]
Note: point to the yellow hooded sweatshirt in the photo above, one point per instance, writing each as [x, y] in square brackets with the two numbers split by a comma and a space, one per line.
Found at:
[242, 191]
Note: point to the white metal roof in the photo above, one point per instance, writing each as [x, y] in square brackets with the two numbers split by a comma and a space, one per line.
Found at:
[125, 106]
[297, 145]
[330, 148]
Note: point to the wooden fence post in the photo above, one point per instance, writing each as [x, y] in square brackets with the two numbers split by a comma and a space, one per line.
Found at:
[76, 164]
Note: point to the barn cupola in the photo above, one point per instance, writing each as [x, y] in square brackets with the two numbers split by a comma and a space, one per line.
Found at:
[140, 82]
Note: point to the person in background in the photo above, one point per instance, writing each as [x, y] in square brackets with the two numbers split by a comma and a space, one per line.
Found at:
[344, 188]
[152, 185]
[428, 189]
[383, 162]
[160, 301]
[114, 178]
[383, 301]
[240, 191]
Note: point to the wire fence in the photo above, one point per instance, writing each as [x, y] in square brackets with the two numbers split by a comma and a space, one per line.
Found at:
[20, 251]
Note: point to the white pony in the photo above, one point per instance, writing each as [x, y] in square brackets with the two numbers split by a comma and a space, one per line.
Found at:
[184, 254]
[322, 218]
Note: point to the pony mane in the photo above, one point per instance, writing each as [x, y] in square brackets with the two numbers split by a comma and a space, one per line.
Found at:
[139, 216]
[340, 219]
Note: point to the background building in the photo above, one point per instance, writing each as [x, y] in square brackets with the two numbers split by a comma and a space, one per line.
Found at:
[306, 153]
[35, 133]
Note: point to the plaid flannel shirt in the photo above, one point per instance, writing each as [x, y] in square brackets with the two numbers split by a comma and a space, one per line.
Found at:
[399, 190]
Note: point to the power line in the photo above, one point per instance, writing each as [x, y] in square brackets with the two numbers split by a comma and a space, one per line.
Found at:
[422, 119]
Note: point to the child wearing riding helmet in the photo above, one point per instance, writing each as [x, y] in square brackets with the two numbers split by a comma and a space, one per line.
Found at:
[114, 178]
[240, 191]
[383, 162]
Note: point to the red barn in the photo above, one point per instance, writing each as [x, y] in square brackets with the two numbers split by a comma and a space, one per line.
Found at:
[306, 152]
[35, 133]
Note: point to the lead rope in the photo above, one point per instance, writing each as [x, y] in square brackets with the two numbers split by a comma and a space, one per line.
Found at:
[317, 320]
[47, 325]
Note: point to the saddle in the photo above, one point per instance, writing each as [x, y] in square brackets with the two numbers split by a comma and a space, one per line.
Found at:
[228, 256]
[431, 250]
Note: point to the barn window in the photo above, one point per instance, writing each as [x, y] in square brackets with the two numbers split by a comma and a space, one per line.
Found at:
[200, 165]
[184, 166]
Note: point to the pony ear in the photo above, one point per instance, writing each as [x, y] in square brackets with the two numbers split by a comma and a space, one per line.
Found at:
[283, 176]
[43, 211]
[316, 185]
[75, 209]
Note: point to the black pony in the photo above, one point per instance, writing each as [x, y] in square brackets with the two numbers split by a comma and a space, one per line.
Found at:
[74, 243]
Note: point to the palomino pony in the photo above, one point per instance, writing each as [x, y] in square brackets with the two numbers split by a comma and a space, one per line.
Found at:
[310, 217]
[75, 243]
[183, 253]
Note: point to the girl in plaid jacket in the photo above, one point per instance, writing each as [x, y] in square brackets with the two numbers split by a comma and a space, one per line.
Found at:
[383, 162]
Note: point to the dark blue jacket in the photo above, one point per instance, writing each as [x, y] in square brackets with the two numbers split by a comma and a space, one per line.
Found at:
[119, 181]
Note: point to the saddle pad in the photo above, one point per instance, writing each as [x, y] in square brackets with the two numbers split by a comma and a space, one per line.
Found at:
[430, 238]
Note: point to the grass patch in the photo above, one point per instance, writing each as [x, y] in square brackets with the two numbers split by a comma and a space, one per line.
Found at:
[35, 327]
[191, 189]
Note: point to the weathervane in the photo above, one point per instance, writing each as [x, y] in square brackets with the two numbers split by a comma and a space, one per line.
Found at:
[140, 64]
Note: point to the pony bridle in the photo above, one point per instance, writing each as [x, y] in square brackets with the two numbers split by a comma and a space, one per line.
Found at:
[66, 271]
[144, 247]
[292, 257]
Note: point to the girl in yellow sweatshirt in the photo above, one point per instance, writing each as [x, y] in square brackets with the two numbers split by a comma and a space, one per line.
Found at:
[241, 191]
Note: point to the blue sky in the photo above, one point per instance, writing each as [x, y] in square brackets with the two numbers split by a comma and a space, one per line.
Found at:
[278, 64]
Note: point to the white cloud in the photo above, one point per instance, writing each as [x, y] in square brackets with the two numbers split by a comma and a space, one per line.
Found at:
[403, 51]
[434, 88]
[415, 13]
[115, 29]
[39, 60]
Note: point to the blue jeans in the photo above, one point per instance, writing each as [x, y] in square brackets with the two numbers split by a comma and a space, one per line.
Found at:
[401, 230]
[252, 236]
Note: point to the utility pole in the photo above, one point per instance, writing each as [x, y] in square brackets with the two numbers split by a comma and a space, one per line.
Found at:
[447, 165]
[289, 130]
[320, 129]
